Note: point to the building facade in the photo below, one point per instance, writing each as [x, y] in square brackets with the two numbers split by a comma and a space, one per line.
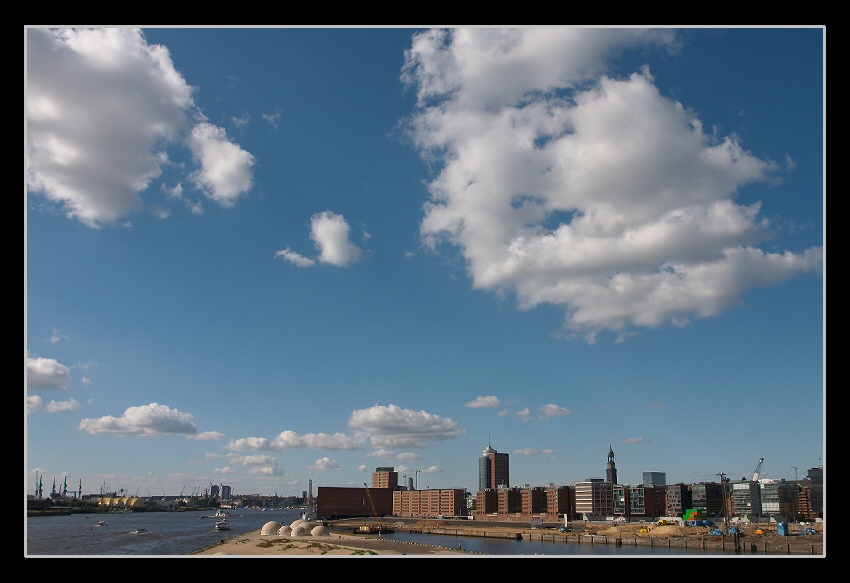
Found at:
[493, 469]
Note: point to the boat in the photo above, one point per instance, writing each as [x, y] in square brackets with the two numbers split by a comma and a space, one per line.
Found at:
[101, 523]
[140, 531]
[221, 514]
[222, 525]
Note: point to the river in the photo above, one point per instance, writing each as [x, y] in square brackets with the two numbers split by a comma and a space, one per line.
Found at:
[182, 533]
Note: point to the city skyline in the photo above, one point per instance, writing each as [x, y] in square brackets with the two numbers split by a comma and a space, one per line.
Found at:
[259, 256]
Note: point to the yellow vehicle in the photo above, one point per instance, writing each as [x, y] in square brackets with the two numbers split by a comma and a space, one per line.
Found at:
[376, 527]
[759, 531]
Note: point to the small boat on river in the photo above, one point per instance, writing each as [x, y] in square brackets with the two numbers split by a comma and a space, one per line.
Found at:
[222, 525]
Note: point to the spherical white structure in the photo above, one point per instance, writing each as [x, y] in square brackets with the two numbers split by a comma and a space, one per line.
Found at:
[271, 527]
[284, 531]
[319, 531]
[299, 531]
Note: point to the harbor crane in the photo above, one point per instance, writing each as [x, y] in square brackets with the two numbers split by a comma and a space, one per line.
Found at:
[758, 470]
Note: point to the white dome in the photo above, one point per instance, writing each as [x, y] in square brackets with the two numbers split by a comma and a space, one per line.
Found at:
[319, 531]
[299, 530]
[300, 522]
[271, 527]
[284, 531]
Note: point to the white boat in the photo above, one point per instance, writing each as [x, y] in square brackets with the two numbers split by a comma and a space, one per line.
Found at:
[222, 525]
[221, 514]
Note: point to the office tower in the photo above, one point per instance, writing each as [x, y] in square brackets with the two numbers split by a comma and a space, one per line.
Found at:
[493, 469]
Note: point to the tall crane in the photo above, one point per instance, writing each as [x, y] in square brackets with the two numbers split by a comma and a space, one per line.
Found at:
[758, 470]
[378, 526]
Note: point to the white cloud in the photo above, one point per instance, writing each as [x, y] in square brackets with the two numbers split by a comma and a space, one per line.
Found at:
[392, 426]
[551, 410]
[482, 401]
[329, 232]
[325, 463]
[102, 106]
[635, 440]
[47, 373]
[291, 440]
[144, 421]
[294, 258]
[252, 460]
[207, 435]
[61, 406]
[57, 336]
[525, 415]
[565, 186]
[225, 171]
[34, 403]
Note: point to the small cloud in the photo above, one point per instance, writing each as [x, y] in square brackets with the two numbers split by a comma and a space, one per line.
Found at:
[635, 440]
[207, 435]
[294, 258]
[329, 232]
[272, 118]
[241, 121]
[61, 406]
[525, 415]
[33, 403]
[481, 402]
[657, 405]
[56, 337]
[551, 410]
[325, 463]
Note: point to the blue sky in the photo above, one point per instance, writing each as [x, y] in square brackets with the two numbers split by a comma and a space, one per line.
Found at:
[260, 256]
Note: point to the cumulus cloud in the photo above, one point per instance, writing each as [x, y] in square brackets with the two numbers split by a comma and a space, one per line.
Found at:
[252, 460]
[552, 410]
[102, 108]
[635, 440]
[392, 426]
[61, 406]
[225, 171]
[144, 421]
[292, 440]
[561, 185]
[525, 415]
[329, 232]
[325, 463]
[33, 403]
[47, 373]
[481, 401]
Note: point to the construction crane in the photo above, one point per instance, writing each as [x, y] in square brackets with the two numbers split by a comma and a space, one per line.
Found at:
[378, 525]
[758, 470]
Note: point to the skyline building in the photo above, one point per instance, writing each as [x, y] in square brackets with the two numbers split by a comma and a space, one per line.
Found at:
[611, 470]
[493, 469]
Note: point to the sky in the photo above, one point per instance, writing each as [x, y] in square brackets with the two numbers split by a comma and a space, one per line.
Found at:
[256, 257]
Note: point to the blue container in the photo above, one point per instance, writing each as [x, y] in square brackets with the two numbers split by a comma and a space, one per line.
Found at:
[782, 528]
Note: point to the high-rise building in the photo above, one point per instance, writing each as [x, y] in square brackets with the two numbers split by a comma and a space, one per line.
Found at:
[493, 469]
[654, 479]
[385, 477]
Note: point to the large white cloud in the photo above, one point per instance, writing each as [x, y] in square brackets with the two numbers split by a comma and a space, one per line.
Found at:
[47, 373]
[569, 187]
[145, 421]
[392, 426]
[102, 106]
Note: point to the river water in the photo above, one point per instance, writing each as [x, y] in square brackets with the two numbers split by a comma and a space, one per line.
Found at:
[182, 533]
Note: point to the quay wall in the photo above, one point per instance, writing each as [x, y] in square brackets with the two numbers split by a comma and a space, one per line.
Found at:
[725, 544]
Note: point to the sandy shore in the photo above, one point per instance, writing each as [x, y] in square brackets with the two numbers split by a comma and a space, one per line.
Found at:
[256, 544]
